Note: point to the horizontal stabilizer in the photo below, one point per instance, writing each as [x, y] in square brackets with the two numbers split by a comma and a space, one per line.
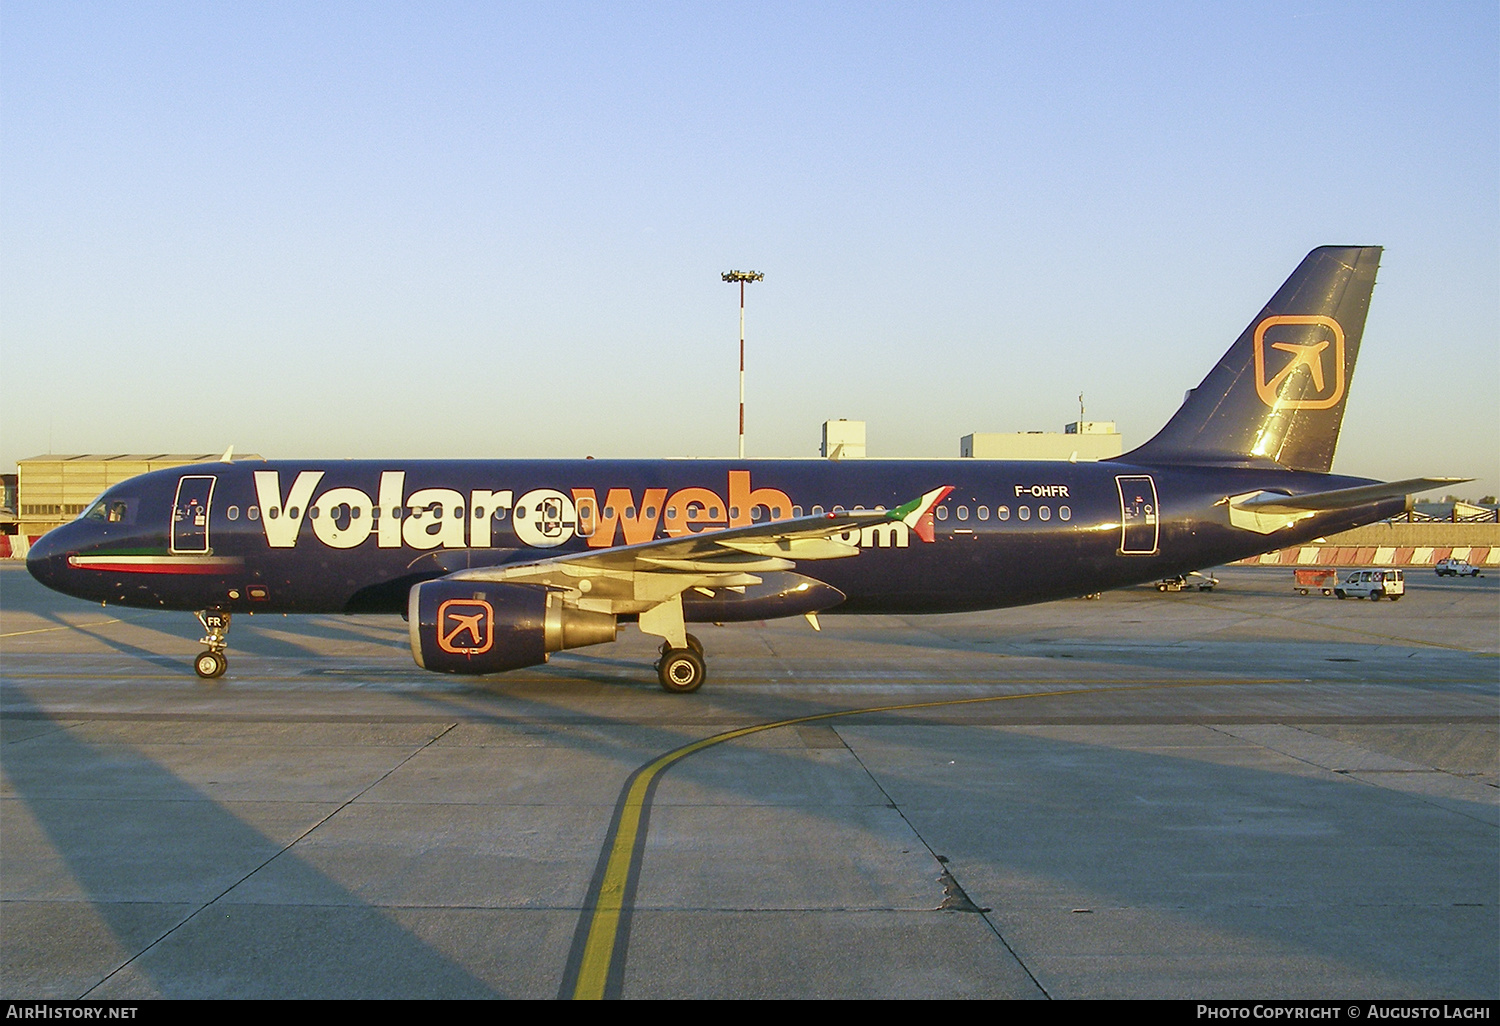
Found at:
[1342, 498]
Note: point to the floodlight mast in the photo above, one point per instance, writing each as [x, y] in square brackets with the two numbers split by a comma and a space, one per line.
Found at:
[742, 277]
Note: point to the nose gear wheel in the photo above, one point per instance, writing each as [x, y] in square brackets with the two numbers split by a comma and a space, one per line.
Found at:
[212, 662]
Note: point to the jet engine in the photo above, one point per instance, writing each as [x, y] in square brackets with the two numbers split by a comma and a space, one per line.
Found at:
[476, 627]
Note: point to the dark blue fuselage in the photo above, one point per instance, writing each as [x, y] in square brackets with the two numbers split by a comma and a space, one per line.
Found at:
[355, 536]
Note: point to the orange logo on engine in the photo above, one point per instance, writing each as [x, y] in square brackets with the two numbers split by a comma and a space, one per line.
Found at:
[1314, 343]
[461, 621]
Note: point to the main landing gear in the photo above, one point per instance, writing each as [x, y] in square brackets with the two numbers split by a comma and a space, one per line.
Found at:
[212, 662]
[681, 670]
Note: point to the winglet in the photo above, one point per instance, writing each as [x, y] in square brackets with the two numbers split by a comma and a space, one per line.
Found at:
[917, 514]
[228, 456]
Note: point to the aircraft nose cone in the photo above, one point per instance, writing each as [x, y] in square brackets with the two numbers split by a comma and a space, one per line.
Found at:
[47, 559]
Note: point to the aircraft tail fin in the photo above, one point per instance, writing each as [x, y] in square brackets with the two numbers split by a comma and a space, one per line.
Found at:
[1277, 396]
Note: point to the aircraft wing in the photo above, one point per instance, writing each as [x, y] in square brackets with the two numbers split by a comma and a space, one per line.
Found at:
[773, 545]
[1340, 498]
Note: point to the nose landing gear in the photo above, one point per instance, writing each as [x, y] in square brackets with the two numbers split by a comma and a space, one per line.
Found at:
[212, 662]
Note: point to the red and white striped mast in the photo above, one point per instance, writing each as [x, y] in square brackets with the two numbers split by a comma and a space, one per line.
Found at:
[742, 277]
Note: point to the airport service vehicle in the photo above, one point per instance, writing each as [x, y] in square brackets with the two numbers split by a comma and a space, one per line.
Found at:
[497, 564]
[1317, 578]
[1188, 581]
[1372, 584]
[1456, 568]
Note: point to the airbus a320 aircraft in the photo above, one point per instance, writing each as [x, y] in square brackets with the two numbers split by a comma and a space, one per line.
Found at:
[497, 564]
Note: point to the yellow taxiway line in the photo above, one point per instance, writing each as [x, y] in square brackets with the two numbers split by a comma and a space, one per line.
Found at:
[603, 942]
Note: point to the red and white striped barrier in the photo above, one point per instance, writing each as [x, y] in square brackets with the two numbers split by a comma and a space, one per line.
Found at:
[14, 546]
[1376, 555]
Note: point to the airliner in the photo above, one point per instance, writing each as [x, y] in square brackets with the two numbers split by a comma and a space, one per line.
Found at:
[496, 564]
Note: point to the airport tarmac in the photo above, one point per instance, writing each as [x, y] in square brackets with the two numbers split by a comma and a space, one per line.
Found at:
[1237, 794]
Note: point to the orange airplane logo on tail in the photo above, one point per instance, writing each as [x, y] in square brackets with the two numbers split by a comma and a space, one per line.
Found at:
[465, 626]
[1318, 346]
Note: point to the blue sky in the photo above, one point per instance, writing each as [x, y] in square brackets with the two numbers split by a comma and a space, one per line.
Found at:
[497, 229]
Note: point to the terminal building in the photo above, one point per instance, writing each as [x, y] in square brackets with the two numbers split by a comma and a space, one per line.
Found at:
[843, 440]
[1082, 440]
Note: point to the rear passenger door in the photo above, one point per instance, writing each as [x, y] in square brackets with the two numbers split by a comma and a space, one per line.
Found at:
[1139, 521]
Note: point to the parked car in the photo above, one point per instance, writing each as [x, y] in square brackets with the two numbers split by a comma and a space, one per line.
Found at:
[1372, 584]
[1456, 568]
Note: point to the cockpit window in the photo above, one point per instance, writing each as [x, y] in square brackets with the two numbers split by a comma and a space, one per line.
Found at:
[111, 509]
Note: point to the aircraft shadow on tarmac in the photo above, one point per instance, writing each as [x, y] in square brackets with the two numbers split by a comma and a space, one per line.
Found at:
[147, 892]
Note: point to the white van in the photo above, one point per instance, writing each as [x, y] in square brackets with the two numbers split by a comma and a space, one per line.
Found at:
[1372, 584]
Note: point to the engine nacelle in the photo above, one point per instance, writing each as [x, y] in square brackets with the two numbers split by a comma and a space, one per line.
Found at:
[478, 627]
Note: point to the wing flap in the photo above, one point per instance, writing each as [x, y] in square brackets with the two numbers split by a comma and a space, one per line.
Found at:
[794, 548]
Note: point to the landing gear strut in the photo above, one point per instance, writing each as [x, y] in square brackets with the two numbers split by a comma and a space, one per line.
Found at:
[212, 662]
[680, 668]
[692, 643]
